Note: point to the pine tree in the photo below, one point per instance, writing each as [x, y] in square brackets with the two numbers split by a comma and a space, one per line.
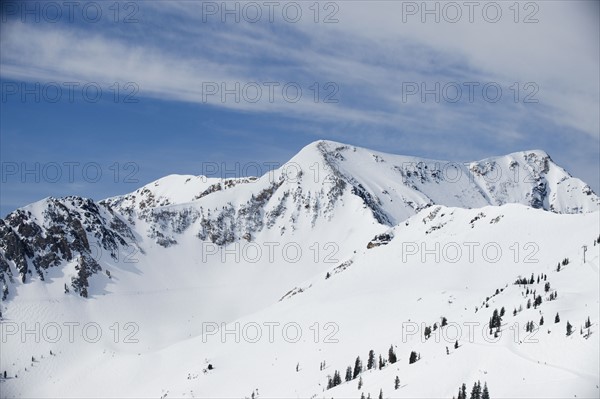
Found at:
[381, 363]
[569, 328]
[485, 394]
[371, 360]
[362, 395]
[502, 311]
[360, 382]
[396, 382]
[427, 332]
[542, 321]
[444, 321]
[348, 373]
[588, 323]
[392, 355]
[357, 369]
[413, 357]
[5, 374]
[464, 391]
[557, 318]
[381, 394]
[528, 303]
[456, 345]
[297, 367]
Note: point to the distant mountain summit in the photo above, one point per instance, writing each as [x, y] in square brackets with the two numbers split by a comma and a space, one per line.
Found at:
[329, 187]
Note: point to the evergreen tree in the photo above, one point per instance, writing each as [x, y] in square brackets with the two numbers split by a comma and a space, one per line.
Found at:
[362, 395]
[496, 320]
[538, 301]
[547, 287]
[542, 321]
[381, 363]
[381, 394]
[588, 323]
[348, 373]
[360, 382]
[396, 381]
[444, 321]
[427, 332]
[557, 318]
[456, 345]
[357, 369]
[5, 374]
[528, 303]
[371, 360]
[502, 311]
[485, 394]
[463, 391]
[413, 357]
[569, 328]
[392, 355]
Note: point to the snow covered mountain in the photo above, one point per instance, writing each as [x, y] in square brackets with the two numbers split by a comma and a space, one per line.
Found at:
[349, 246]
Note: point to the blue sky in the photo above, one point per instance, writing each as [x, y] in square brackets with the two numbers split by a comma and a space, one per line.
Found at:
[363, 58]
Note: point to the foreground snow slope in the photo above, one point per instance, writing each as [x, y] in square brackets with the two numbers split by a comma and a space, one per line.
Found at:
[370, 304]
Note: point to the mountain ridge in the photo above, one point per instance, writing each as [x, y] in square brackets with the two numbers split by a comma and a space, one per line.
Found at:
[325, 180]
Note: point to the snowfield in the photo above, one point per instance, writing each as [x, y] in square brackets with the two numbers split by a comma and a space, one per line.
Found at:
[265, 287]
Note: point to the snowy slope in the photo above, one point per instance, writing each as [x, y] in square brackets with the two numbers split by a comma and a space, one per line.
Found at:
[340, 236]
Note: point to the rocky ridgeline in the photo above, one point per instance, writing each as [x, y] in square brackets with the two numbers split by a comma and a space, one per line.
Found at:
[63, 233]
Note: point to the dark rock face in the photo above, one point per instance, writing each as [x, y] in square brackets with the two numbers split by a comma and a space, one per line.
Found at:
[381, 239]
[62, 234]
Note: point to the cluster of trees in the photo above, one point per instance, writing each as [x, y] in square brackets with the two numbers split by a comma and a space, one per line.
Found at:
[335, 381]
[530, 326]
[476, 392]
[531, 280]
[354, 372]
[429, 329]
[362, 395]
[564, 262]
